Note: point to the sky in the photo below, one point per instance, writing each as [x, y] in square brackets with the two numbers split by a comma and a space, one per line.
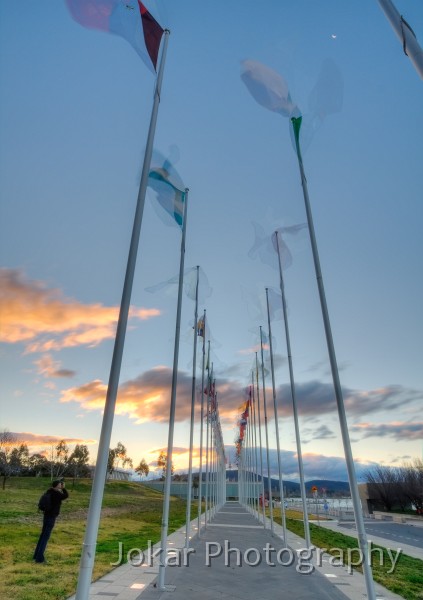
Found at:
[75, 109]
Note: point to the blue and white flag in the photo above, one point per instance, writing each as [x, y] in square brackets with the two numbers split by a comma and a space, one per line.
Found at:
[168, 186]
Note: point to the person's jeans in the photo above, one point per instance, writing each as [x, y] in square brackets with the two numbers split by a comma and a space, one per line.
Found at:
[48, 524]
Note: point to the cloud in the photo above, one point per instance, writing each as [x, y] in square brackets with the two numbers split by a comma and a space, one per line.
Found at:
[315, 398]
[40, 439]
[145, 398]
[176, 451]
[50, 368]
[316, 466]
[44, 320]
[397, 430]
[320, 433]
[404, 457]
[180, 458]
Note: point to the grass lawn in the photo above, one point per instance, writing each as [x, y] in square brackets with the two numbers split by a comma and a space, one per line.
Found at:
[131, 514]
[407, 578]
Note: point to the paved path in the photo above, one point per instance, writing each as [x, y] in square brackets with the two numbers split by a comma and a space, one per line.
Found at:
[221, 564]
[407, 536]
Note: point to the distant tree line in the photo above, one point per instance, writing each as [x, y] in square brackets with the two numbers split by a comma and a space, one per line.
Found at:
[397, 487]
[56, 461]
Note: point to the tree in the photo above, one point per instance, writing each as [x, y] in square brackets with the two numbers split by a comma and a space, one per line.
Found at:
[61, 459]
[143, 468]
[413, 483]
[13, 454]
[162, 464]
[118, 457]
[397, 486]
[39, 464]
[19, 459]
[78, 461]
[381, 485]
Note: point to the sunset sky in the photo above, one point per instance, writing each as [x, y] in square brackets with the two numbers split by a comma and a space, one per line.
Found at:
[74, 112]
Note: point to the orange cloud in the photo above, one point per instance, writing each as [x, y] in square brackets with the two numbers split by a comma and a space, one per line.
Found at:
[44, 320]
[147, 397]
[39, 439]
[180, 458]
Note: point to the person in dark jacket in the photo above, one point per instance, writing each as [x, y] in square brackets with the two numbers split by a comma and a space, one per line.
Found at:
[57, 494]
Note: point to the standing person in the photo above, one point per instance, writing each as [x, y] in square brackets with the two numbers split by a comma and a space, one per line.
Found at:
[57, 493]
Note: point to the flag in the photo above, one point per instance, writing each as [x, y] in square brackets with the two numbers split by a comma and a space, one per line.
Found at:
[166, 182]
[326, 97]
[264, 246]
[128, 18]
[200, 327]
[268, 88]
[275, 304]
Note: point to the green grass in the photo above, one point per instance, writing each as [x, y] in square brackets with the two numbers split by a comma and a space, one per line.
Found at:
[131, 514]
[407, 578]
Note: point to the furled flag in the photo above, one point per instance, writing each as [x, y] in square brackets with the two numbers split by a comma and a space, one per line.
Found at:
[170, 190]
[200, 327]
[128, 18]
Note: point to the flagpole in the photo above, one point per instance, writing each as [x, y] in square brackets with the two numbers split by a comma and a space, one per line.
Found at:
[361, 532]
[94, 510]
[168, 480]
[191, 432]
[261, 445]
[253, 409]
[278, 449]
[294, 398]
[206, 495]
[200, 471]
[405, 34]
[269, 479]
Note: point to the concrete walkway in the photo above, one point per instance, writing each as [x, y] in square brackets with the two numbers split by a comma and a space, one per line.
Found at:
[413, 551]
[235, 558]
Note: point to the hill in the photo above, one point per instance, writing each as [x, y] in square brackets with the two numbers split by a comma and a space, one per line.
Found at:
[292, 488]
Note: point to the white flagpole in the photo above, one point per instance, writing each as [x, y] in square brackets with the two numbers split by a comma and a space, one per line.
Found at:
[206, 494]
[294, 398]
[253, 415]
[278, 449]
[200, 471]
[261, 444]
[269, 479]
[191, 431]
[405, 35]
[166, 499]
[94, 510]
[361, 532]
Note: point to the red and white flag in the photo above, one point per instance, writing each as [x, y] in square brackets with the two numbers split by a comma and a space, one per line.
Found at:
[128, 18]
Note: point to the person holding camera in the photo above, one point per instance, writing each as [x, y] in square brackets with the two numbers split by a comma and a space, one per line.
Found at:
[55, 496]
